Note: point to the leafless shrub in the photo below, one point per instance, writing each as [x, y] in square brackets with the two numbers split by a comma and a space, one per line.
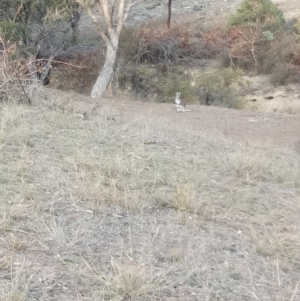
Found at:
[247, 46]
[163, 45]
[283, 74]
[11, 81]
[156, 44]
[284, 50]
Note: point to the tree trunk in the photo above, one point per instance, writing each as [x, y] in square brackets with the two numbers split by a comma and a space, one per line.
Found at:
[169, 14]
[106, 73]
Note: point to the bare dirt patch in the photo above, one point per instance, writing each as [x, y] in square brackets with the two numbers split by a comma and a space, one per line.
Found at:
[263, 130]
[266, 98]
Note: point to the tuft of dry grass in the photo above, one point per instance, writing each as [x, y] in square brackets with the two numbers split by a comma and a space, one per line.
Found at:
[5, 263]
[17, 288]
[132, 281]
[184, 198]
[15, 243]
[11, 123]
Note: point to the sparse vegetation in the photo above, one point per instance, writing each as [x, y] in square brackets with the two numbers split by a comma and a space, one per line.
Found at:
[212, 87]
[100, 202]
[251, 29]
[148, 81]
[283, 74]
[12, 30]
[129, 281]
[216, 87]
[258, 12]
[88, 188]
[283, 50]
[281, 60]
[297, 26]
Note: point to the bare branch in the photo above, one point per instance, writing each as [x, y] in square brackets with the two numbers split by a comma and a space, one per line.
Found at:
[105, 10]
[112, 13]
[18, 11]
[98, 25]
[99, 7]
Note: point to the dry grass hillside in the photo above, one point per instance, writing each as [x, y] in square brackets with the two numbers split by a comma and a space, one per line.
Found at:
[115, 206]
[129, 200]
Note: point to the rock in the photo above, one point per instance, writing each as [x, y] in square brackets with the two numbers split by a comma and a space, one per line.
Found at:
[198, 7]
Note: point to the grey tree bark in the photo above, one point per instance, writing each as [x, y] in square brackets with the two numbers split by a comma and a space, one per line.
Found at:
[109, 31]
[106, 73]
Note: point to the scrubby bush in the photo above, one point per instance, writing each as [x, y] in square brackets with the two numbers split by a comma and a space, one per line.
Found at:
[251, 29]
[159, 44]
[220, 88]
[146, 80]
[129, 45]
[155, 44]
[11, 30]
[284, 50]
[215, 87]
[141, 79]
[258, 12]
[281, 60]
[283, 74]
[176, 82]
[214, 42]
[14, 86]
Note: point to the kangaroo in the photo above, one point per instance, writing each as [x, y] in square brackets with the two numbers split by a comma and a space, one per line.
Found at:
[179, 103]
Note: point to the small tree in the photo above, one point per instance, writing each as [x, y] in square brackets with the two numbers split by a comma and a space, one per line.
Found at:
[253, 12]
[114, 14]
[252, 27]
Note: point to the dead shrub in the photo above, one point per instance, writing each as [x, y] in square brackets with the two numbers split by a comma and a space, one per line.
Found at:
[159, 44]
[247, 46]
[284, 50]
[13, 80]
[77, 73]
[214, 42]
[155, 44]
[284, 73]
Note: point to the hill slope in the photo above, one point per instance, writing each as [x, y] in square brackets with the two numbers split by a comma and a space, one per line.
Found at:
[124, 206]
